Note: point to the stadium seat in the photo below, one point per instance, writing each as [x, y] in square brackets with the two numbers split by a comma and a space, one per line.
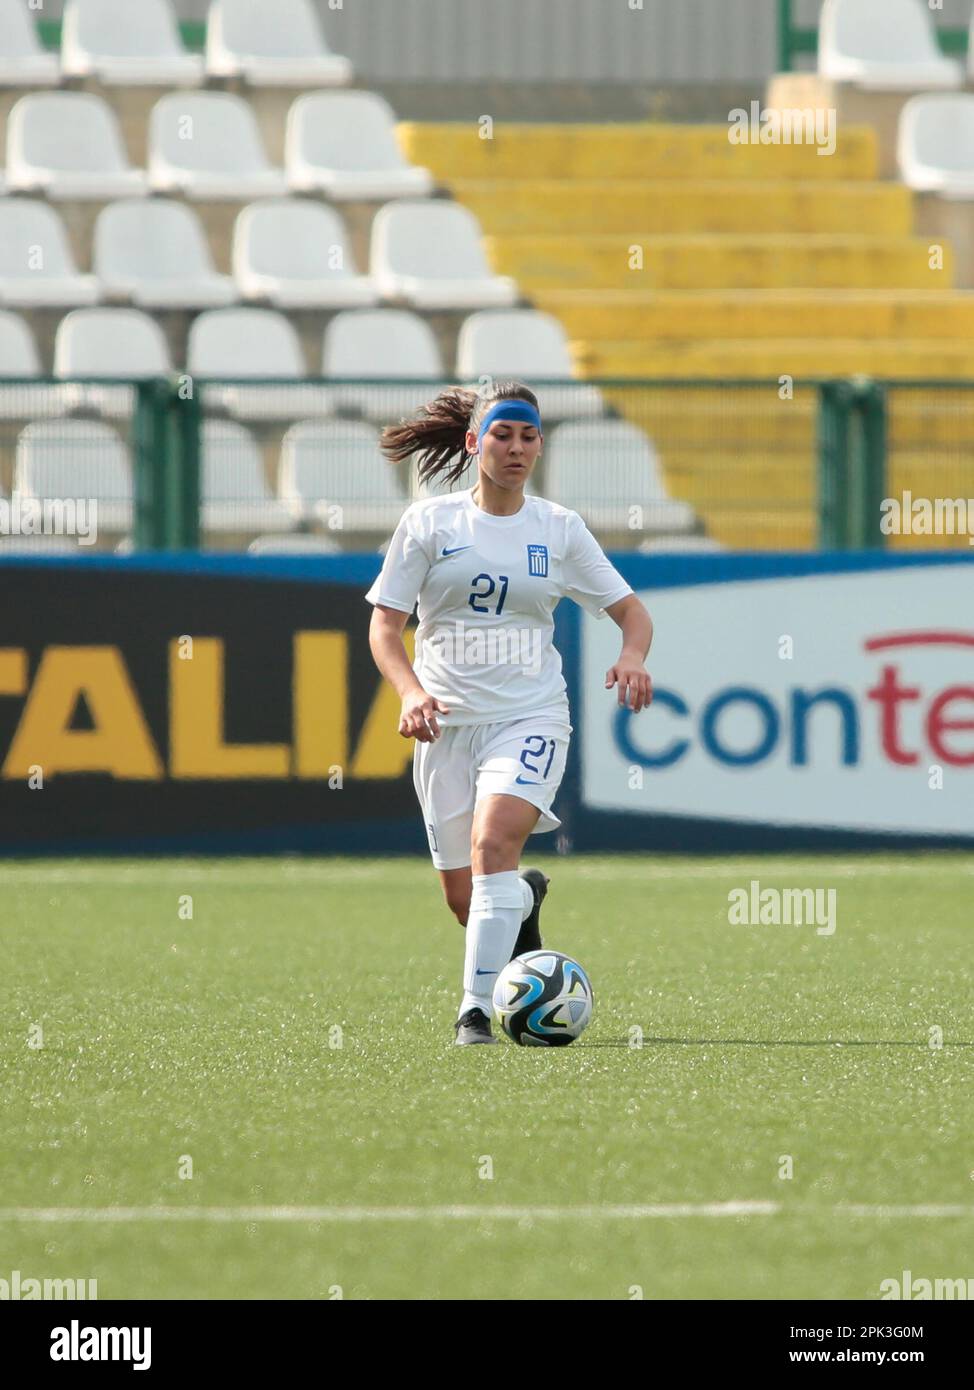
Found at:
[293, 545]
[206, 145]
[115, 343]
[429, 253]
[77, 458]
[525, 345]
[333, 464]
[936, 144]
[681, 545]
[154, 252]
[380, 343]
[604, 470]
[240, 343]
[135, 43]
[234, 491]
[23, 60]
[294, 253]
[41, 545]
[68, 145]
[440, 488]
[886, 45]
[344, 144]
[20, 360]
[278, 45]
[36, 266]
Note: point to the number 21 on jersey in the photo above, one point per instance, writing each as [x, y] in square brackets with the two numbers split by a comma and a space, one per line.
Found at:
[480, 593]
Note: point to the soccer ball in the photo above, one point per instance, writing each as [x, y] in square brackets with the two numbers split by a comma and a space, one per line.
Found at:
[543, 999]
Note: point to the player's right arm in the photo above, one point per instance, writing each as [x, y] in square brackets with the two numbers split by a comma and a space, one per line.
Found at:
[417, 718]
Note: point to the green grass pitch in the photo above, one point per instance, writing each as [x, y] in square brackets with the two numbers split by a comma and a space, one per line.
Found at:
[321, 1171]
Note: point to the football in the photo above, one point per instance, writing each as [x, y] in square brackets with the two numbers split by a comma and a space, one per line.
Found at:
[543, 999]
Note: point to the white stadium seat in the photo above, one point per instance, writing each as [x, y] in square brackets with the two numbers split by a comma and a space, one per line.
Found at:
[294, 545]
[294, 253]
[681, 545]
[19, 359]
[155, 253]
[131, 42]
[885, 45]
[206, 145]
[18, 350]
[604, 470]
[429, 253]
[260, 343]
[525, 345]
[380, 343]
[277, 44]
[233, 490]
[77, 458]
[344, 144]
[115, 343]
[41, 544]
[936, 144]
[68, 145]
[36, 266]
[23, 60]
[440, 488]
[332, 472]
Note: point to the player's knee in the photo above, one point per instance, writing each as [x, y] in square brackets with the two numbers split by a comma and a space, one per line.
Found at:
[492, 852]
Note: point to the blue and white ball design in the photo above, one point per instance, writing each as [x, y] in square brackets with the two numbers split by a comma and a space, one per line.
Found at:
[543, 999]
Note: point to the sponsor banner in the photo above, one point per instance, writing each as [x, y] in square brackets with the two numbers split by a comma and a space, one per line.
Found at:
[207, 704]
[830, 694]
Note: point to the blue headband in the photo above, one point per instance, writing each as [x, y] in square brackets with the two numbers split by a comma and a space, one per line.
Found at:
[509, 410]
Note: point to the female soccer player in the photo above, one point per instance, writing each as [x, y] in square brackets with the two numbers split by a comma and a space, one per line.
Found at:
[486, 701]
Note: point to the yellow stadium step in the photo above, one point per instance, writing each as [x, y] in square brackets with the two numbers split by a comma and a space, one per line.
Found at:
[751, 528]
[577, 207]
[931, 472]
[712, 479]
[772, 358]
[619, 315]
[928, 543]
[640, 261]
[529, 152]
[751, 421]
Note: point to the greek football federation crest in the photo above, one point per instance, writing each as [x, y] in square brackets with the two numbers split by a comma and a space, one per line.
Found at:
[538, 561]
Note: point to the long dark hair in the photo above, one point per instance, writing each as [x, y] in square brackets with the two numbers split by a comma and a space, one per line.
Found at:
[438, 431]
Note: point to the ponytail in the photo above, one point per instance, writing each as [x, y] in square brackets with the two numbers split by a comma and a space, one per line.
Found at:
[437, 434]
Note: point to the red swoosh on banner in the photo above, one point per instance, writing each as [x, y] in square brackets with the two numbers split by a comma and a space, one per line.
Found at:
[920, 639]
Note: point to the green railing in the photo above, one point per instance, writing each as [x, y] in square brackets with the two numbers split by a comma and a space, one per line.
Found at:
[176, 464]
[794, 40]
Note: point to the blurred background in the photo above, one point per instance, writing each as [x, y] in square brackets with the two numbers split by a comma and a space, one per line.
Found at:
[732, 247]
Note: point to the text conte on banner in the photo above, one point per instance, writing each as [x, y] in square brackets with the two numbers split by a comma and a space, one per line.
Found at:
[834, 695]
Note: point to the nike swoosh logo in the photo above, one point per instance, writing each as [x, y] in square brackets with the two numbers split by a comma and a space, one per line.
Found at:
[456, 549]
[486, 972]
[523, 781]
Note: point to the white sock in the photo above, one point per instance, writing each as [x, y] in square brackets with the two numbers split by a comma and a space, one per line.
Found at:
[528, 897]
[496, 906]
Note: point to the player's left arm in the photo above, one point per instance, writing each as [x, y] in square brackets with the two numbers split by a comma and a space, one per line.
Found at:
[629, 672]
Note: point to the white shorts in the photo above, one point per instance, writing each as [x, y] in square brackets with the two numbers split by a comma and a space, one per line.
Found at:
[523, 757]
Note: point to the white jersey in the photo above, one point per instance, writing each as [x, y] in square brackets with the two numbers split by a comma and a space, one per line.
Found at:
[486, 589]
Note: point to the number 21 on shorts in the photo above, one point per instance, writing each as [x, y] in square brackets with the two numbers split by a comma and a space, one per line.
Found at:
[534, 750]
